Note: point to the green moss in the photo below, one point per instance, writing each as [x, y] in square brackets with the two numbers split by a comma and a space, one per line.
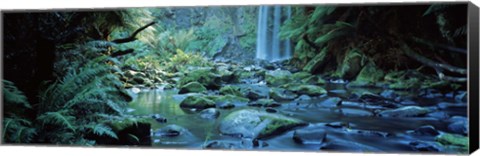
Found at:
[231, 90]
[452, 139]
[278, 77]
[276, 125]
[197, 101]
[370, 73]
[192, 87]
[311, 90]
[204, 76]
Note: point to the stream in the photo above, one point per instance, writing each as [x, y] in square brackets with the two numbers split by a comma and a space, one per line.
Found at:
[366, 131]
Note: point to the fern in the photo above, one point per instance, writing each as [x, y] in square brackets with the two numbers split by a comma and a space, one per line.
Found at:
[60, 118]
[13, 96]
[101, 129]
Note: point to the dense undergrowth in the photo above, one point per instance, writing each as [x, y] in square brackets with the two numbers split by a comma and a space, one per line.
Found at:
[85, 87]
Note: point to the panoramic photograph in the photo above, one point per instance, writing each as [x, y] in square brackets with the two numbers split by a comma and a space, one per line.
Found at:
[378, 78]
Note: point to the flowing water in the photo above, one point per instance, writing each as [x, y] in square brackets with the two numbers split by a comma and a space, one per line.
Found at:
[269, 45]
[166, 103]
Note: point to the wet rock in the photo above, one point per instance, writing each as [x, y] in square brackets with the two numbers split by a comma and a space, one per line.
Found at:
[256, 124]
[303, 98]
[370, 97]
[438, 115]
[426, 130]
[347, 146]
[314, 80]
[408, 102]
[271, 110]
[354, 112]
[368, 76]
[461, 97]
[426, 146]
[368, 133]
[452, 139]
[192, 87]
[231, 90]
[406, 111]
[459, 127]
[224, 105]
[203, 75]
[389, 94]
[309, 136]
[255, 92]
[264, 103]
[447, 106]
[311, 90]
[229, 101]
[159, 118]
[338, 125]
[280, 94]
[197, 101]
[278, 77]
[172, 131]
[210, 113]
[331, 102]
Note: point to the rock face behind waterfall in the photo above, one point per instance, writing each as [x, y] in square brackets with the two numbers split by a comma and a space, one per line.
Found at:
[249, 123]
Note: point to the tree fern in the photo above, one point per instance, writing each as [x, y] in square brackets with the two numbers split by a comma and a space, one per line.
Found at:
[13, 96]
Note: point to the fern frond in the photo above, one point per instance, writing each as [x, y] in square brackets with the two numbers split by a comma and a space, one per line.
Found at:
[59, 118]
[13, 96]
[102, 129]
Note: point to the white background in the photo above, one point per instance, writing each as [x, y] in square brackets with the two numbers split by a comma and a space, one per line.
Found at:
[130, 151]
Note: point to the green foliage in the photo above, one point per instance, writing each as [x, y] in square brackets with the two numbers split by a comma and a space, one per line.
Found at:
[305, 29]
[16, 128]
[60, 119]
[181, 60]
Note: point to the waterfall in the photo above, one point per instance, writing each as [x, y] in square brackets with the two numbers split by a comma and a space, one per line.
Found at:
[269, 45]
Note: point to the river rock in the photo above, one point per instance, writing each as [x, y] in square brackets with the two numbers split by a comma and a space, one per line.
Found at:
[256, 124]
[331, 102]
[311, 90]
[172, 131]
[447, 106]
[459, 127]
[192, 87]
[278, 77]
[347, 146]
[255, 92]
[210, 113]
[426, 146]
[231, 90]
[439, 115]
[159, 118]
[461, 97]
[406, 111]
[338, 124]
[426, 130]
[280, 94]
[264, 103]
[354, 112]
[197, 101]
[309, 136]
[389, 94]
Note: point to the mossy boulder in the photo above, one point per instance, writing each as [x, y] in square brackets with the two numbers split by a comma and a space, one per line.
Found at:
[228, 101]
[407, 111]
[205, 76]
[280, 94]
[368, 76]
[231, 90]
[264, 103]
[315, 80]
[192, 87]
[351, 65]
[257, 124]
[311, 90]
[301, 75]
[278, 77]
[454, 141]
[197, 101]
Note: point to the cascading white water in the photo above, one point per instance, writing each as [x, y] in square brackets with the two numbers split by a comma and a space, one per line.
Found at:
[269, 45]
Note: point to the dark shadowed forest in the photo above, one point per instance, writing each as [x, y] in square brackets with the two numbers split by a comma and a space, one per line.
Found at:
[361, 78]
